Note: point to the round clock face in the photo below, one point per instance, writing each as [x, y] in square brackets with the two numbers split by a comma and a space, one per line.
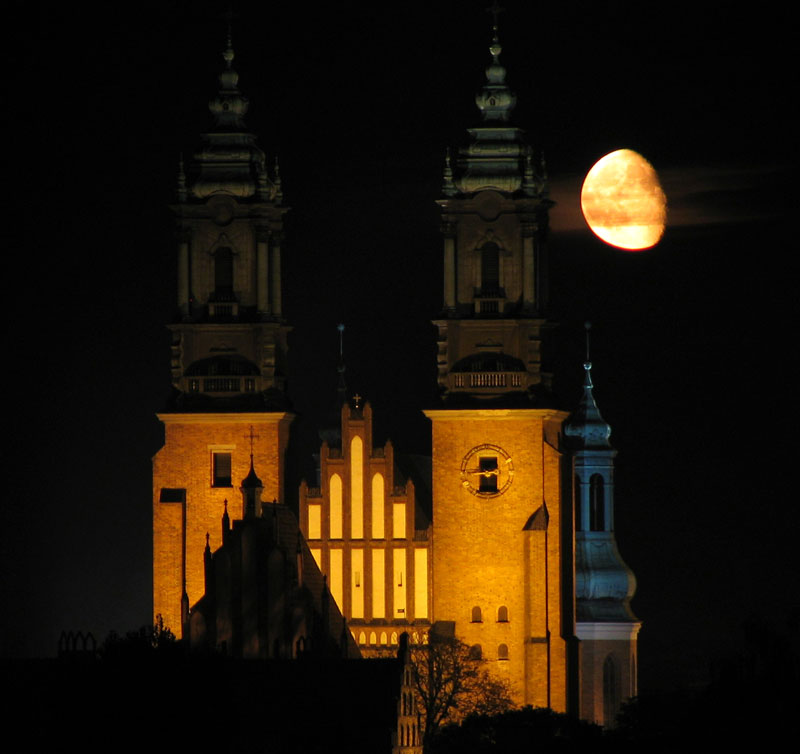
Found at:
[487, 471]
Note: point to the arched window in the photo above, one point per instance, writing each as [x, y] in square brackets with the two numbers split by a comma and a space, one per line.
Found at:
[490, 268]
[502, 614]
[362, 638]
[373, 638]
[475, 652]
[394, 638]
[610, 691]
[384, 639]
[335, 507]
[223, 272]
[476, 615]
[502, 652]
[597, 506]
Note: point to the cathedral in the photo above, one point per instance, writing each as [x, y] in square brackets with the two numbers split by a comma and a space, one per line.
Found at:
[514, 553]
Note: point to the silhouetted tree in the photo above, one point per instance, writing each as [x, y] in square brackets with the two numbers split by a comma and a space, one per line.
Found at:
[521, 730]
[145, 641]
[451, 682]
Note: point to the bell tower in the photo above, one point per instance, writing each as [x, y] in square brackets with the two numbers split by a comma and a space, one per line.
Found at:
[606, 626]
[494, 221]
[502, 547]
[228, 353]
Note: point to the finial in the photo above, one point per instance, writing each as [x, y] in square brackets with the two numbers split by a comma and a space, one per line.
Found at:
[208, 541]
[226, 521]
[341, 388]
[228, 54]
[586, 428]
[588, 326]
[357, 400]
[495, 100]
[495, 47]
[587, 365]
[229, 106]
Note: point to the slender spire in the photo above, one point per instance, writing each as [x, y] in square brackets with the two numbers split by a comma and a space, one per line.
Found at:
[251, 491]
[586, 428]
[341, 388]
[226, 520]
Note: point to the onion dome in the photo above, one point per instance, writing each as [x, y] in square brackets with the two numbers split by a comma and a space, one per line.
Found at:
[498, 157]
[495, 100]
[228, 108]
[229, 161]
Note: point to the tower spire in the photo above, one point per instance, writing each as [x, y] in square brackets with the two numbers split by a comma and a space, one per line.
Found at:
[495, 100]
[586, 427]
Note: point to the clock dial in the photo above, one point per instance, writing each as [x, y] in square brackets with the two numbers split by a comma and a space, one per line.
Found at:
[487, 471]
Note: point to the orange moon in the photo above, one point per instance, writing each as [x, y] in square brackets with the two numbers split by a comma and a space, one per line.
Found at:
[622, 201]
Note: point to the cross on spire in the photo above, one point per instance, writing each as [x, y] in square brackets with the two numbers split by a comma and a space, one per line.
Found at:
[495, 10]
[253, 436]
[357, 398]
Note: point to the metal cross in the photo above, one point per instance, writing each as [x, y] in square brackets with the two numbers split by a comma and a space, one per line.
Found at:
[253, 436]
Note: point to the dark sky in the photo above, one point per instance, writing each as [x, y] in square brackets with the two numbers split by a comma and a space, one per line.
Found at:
[691, 354]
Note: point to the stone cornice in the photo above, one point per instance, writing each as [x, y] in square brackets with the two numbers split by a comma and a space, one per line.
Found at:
[597, 631]
[495, 414]
[265, 417]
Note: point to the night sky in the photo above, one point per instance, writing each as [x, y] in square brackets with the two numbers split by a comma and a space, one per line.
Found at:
[690, 339]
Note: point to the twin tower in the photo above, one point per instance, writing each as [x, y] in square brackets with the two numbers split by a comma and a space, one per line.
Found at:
[515, 552]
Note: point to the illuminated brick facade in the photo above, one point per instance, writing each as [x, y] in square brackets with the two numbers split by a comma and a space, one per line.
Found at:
[228, 354]
[500, 569]
[184, 470]
[368, 535]
[520, 556]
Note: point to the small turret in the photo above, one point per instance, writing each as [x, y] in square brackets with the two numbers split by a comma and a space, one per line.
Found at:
[251, 488]
[604, 583]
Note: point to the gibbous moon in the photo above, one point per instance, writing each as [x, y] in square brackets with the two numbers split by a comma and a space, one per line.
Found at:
[622, 201]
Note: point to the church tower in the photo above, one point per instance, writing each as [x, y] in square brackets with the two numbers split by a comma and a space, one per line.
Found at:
[606, 626]
[502, 532]
[229, 342]
[494, 220]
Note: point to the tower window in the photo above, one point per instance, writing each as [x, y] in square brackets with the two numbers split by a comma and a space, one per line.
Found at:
[610, 690]
[476, 615]
[502, 614]
[475, 652]
[489, 471]
[223, 272]
[597, 506]
[490, 268]
[502, 652]
[221, 470]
